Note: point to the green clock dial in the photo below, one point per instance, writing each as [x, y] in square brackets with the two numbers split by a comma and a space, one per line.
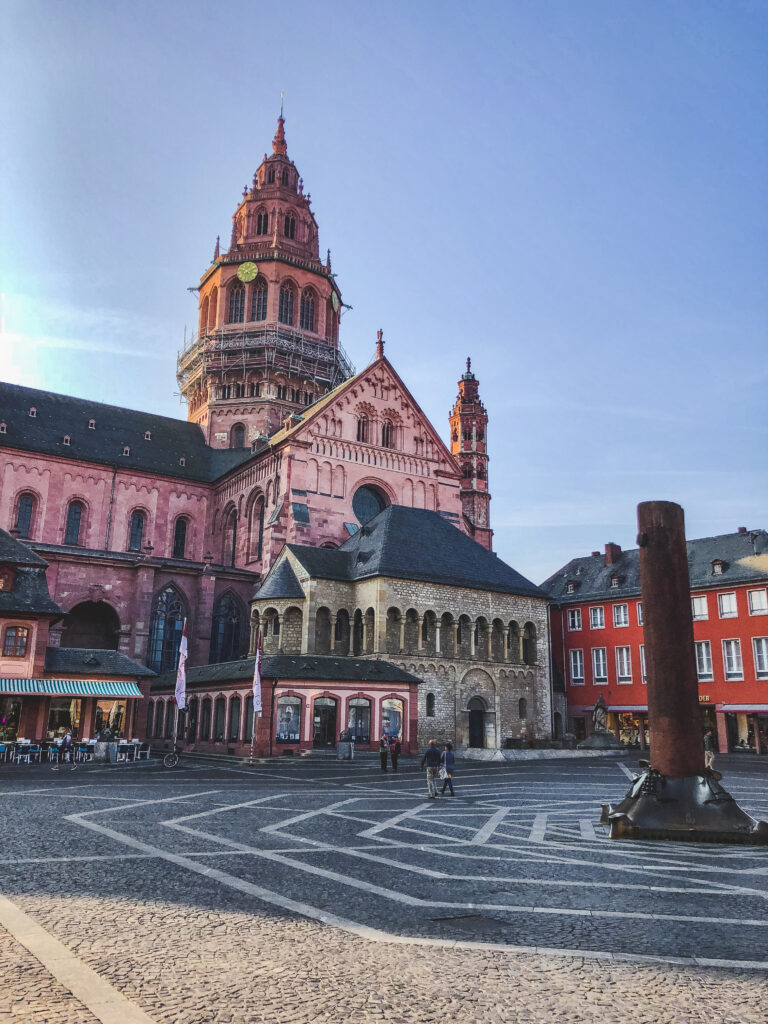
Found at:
[247, 271]
[335, 302]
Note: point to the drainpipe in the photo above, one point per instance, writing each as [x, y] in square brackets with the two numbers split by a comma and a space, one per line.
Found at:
[109, 511]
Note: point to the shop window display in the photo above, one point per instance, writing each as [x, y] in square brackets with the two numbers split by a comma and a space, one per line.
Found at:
[10, 712]
[288, 719]
[392, 718]
[64, 714]
[359, 720]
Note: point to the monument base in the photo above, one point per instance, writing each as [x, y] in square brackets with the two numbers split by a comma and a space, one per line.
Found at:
[602, 739]
[694, 808]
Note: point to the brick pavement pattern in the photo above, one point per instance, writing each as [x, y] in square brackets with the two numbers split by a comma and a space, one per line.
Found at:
[188, 949]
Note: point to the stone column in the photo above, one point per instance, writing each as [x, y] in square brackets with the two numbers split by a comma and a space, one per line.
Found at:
[472, 645]
[437, 638]
[402, 634]
[333, 633]
[506, 644]
[455, 639]
[673, 690]
[419, 634]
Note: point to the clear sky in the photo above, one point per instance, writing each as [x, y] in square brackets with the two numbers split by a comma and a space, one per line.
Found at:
[573, 192]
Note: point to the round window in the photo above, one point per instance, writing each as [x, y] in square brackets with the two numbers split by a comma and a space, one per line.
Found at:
[367, 503]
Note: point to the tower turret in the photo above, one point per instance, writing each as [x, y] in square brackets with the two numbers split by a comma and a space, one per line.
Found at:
[268, 330]
[469, 432]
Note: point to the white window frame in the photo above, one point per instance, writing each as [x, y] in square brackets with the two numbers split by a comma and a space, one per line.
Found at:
[595, 677]
[763, 594]
[593, 615]
[697, 617]
[704, 667]
[626, 679]
[643, 673]
[574, 620]
[732, 655]
[639, 613]
[727, 614]
[625, 615]
[760, 656]
[576, 655]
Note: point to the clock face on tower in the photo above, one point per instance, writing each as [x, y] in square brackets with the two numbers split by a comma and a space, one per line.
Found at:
[247, 271]
[335, 302]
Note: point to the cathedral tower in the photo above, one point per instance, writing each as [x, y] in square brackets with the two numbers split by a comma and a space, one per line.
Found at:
[469, 427]
[268, 334]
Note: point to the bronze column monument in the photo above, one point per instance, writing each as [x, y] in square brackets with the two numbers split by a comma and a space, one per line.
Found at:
[675, 797]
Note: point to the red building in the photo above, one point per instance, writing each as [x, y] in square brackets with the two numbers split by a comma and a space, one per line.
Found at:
[597, 638]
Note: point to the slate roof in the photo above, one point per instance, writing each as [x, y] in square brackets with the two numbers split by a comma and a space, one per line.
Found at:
[322, 668]
[29, 594]
[415, 544]
[280, 583]
[60, 415]
[744, 557]
[87, 661]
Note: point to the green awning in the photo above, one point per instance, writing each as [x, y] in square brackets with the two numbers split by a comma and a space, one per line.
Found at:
[70, 687]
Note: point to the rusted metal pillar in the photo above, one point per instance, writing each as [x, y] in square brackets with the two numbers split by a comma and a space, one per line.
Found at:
[673, 688]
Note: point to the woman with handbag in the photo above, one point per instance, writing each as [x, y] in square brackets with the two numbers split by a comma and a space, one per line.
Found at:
[447, 768]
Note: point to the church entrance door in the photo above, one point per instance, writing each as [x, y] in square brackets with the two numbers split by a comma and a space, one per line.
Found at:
[476, 723]
[324, 731]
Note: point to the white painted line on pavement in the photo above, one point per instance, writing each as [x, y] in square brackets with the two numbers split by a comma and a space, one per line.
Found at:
[307, 814]
[484, 834]
[99, 997]
[538, 828]
[630, 774]
[392, 822]
[587, 830]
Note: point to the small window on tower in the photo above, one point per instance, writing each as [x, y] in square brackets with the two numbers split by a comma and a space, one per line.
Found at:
[271, 176]
[289, 227]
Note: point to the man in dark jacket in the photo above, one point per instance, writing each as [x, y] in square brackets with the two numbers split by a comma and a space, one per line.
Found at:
[431, 760]
[394, 752]
[384, 752]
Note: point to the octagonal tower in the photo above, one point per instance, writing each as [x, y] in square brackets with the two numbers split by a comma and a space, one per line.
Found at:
[268, 333]
[469, 431]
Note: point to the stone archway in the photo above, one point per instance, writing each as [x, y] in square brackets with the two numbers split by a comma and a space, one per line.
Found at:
[476, 724]
[93, 624]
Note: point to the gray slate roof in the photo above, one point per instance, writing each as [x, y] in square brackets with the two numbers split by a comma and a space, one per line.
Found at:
[744, 557]
[116, 427]
[415, 544]
[280, 583]
[87, 661]
[29, 594]
[322, 668]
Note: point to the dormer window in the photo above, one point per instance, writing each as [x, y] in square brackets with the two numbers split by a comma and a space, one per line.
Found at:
[3, 429]
[91, 424]
[570, 587]
[33, 413]
[126, 450]
[6, 580]
[717, 567]
[614, 582]
[66, 439]
[147, 435]
[182, 461]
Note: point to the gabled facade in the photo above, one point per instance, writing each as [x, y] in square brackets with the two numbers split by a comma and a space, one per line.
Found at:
[598, 644]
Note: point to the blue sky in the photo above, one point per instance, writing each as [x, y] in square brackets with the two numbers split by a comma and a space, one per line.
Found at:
[571, 192]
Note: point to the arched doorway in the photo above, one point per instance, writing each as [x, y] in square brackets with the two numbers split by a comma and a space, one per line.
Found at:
[557, 725]
[476, 722]
[91, 624]
[324, 722]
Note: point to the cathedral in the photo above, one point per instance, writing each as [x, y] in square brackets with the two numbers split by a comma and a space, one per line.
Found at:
[301, 501]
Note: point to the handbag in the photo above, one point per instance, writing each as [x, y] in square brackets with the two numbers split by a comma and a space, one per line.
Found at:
[442, 772]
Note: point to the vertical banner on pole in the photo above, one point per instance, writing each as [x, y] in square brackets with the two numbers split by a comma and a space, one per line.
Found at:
[256, 691]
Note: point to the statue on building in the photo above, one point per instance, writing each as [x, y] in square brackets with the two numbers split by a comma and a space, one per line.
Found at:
[599, 715]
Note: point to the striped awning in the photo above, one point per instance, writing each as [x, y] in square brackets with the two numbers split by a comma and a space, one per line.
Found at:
[70, 687]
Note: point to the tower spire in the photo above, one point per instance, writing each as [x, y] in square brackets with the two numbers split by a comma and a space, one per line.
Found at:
[278, 143]
[469, 428]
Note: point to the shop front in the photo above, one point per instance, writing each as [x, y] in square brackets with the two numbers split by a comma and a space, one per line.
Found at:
[744, 728]
[43, 710]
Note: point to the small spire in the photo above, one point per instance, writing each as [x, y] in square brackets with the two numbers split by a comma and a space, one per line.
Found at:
[282, 98]
[328, 260]
[233, 239]
[245, 191]
[469, 364]
[217, 249]
[379, 344]
[278, 143]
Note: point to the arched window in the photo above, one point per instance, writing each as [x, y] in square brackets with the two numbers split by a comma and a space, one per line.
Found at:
[230, 538]
[289, 226]
[522, 708]
[236, 304]
[180, 538]
[170, 711]
[234, 719]
[237, 436]
[367, 503]
[165, 630]
[285, 311]
[204, 306]
[284, 177]
[74, 521]
[213, 310]
[248, 719]
[219, 717]
[307, 310]
[136, 532]
[430, 705]
[205, 719]
[15, 642]
[271, 176]
[259, 300]
[226, 629]
[387, 434]
[257, 528]
[262, 224]
[24, 510]
[362, 429]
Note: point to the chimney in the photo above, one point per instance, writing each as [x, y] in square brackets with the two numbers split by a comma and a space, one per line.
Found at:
[595, 554]
[612, 553]
[741, 529]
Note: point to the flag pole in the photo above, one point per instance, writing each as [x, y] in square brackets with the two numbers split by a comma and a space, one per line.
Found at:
[180, 695]
[256, 694]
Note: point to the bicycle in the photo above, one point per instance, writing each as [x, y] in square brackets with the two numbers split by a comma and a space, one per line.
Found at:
[171, 759]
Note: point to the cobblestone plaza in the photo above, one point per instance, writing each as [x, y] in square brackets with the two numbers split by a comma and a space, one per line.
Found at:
[308, 890]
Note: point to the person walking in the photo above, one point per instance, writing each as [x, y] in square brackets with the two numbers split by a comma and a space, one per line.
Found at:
[66, 750]
[431, 761]
[448, 762]
[384, 752]
[709, 750]
[394, 752]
